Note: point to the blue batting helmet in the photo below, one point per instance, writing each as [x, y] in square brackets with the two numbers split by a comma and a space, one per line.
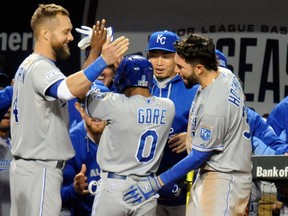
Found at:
[133, 71]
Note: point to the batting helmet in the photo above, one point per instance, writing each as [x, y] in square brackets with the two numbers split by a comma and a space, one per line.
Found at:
[133, 71]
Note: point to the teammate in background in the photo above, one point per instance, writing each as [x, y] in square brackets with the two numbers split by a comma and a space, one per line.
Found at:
[5, 100]
[5, 160]
[40, 96]
[132, 143]
[82, 172]
[168, 84]
[5, 94]
[261, 130]
[278, 119]
[4, 80]
[221, 58]
[5, 143]
[264, 142]
[218, 125]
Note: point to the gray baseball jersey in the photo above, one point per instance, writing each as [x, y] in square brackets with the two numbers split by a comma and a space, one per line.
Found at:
[218, 123]
[39, 123]
[133, 141]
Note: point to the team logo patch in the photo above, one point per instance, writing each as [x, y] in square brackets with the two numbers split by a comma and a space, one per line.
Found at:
[143, 81]
[51, 74]
[205, 133]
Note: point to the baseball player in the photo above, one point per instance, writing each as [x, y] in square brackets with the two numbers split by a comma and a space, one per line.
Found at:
[132, 143]
[219, 133]
[5, 159]
[39, 122]
[264, 142]
[5, 100]
[80, 183]
[277, 119]
[168, 84]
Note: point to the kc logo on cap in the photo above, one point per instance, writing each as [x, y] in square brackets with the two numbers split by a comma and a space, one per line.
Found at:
[162, 40]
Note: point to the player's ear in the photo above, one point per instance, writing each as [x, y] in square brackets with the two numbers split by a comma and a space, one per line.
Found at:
[199, 69]
[44, 33]
[79, 108]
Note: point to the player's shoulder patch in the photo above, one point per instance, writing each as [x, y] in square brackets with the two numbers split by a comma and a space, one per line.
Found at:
[205, 133]
[52, 73]
[97, 95]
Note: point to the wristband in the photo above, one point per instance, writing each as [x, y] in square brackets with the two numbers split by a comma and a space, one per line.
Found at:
[95, 69]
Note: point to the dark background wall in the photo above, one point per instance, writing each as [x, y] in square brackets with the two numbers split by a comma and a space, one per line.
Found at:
[15, 25]
[252, 34]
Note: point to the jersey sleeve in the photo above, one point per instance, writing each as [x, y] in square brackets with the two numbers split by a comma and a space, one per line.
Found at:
[47, 74]
[101, 105]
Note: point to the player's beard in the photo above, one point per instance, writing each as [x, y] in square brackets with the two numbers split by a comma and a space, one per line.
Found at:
[189, 84]
[190, 81]
[62, 52]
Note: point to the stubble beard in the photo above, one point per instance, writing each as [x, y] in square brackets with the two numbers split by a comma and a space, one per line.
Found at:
[189, 83]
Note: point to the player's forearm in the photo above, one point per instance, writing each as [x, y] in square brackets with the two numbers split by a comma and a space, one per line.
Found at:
[80, 82]
[93, 54]
[192, 161]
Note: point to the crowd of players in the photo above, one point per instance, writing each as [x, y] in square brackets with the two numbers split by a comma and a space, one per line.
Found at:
[82, 173]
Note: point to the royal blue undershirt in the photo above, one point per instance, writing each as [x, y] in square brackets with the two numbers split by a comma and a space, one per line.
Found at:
[192, 161]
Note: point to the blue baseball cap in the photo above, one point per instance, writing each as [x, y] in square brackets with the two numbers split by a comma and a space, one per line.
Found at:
[221, 58]
[162, 40]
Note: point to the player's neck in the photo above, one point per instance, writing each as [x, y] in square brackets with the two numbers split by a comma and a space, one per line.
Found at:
[40, 50]
[137, 91]
[209, 78]
[94, 137]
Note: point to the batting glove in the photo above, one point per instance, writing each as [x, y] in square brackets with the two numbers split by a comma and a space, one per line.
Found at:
[142, 191]
[87, 32]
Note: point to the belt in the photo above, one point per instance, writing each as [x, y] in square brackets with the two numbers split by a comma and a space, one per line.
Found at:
[59, 165]
[116, 176]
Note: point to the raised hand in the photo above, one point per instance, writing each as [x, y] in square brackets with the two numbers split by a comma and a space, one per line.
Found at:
[143, 190]
[112, 51]
[96, 41]
[80, 182]
[99, 36]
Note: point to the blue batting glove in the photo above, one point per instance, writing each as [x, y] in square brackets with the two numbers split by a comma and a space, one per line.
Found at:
[143, 190]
